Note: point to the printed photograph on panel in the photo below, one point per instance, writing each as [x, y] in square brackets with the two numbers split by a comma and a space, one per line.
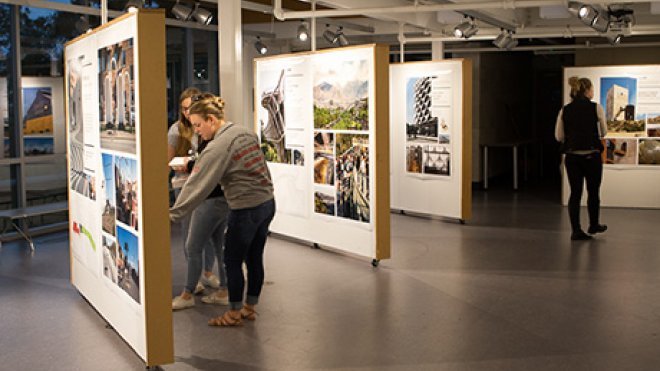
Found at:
[653, 125]
[272, 120]
[81, 182]
[126, 191]
[117, 97]
[649, 152]
[618, 96]
[108, 186]
[34, 146]
[324, 201]
[128, 263]
[341, 92]
[414, 158]
[437, 160]
[353, 176]
[620, 151]
[421, 124]
[324, 158]
[111, 259]
[37, 111]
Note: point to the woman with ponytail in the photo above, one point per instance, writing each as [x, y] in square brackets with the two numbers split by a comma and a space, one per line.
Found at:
[580, 128]
[233, 159]
[183, 142]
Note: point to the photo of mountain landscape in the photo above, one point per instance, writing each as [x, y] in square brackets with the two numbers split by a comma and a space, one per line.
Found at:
[341, 94]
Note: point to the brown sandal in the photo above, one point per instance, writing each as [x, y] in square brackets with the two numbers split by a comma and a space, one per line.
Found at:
[226, 320]
[248, 313]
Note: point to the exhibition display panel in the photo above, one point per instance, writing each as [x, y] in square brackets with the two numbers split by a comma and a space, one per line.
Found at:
[118, 210]
[630, 97]
[323, 120]
[431, 137]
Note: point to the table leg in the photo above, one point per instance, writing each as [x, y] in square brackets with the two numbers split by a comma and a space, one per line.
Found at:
[515, 167]
[485, 167]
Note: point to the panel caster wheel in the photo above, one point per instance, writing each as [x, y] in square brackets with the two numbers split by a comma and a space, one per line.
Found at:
[462, 221]
[375, 262]
[316, 246]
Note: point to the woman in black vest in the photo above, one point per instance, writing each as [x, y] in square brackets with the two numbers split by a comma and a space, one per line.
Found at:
[580, 127]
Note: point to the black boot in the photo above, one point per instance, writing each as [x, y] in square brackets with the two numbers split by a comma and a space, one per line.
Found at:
[580, 236]
[598, 228]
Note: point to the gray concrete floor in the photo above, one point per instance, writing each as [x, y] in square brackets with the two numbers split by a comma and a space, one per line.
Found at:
[507, 291]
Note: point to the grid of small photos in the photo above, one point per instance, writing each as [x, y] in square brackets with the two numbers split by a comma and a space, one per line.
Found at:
[428, 125]
[633, 136]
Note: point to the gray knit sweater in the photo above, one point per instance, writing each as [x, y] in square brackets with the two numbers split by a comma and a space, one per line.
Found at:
[234, 160]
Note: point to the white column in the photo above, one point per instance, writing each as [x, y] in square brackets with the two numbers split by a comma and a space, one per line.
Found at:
[437, 50]
[230, 59]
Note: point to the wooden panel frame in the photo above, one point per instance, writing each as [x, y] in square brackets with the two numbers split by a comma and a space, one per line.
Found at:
[466, 204]
[155, 228]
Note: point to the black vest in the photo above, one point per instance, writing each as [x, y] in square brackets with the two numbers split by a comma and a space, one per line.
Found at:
[581, 126]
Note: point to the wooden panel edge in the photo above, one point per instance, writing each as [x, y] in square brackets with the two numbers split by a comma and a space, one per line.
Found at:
[382, 148]
[155, 221]
[466, 181]
[68, 156]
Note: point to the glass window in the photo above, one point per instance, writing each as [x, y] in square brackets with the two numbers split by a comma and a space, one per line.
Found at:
[43, 35]
[175, 77]
[7, 183]
[205, 69]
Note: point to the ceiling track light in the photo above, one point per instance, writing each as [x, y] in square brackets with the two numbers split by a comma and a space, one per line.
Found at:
[340, 37]
[615, 39]
[133, 5]
[601, 23]
[260, 46]
[466, 29]
[181, 11]
[303, 31]
[201, 15]
[505, 40]
[328, 35]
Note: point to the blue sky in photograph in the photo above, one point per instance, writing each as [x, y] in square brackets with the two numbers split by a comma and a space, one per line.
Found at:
[128, 168]
[28, 97]
[127, 238]
[109, 177]
[410, 99]
[625, 82]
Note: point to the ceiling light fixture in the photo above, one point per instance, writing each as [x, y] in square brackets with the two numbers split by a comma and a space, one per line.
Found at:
[466, 29]
[181, 11]
[260, 46]
[328, 35]
[340, 37]
[505, 40]
[201, 15]
[303, 31]
[133, 5]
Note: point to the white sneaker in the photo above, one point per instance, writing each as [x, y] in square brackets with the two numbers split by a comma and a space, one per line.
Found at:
[211, 281]
[199, 288]
[219, 297]
[179, 303]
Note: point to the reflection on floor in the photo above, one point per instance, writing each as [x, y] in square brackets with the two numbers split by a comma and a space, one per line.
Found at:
[507, 291]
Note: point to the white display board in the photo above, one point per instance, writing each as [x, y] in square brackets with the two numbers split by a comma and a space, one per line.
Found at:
[317, 117]
[430, 137]
[108, 208]
[630, 96]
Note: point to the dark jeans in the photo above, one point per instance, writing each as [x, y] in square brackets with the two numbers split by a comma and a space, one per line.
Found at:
[580, 168]
[247, 230]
